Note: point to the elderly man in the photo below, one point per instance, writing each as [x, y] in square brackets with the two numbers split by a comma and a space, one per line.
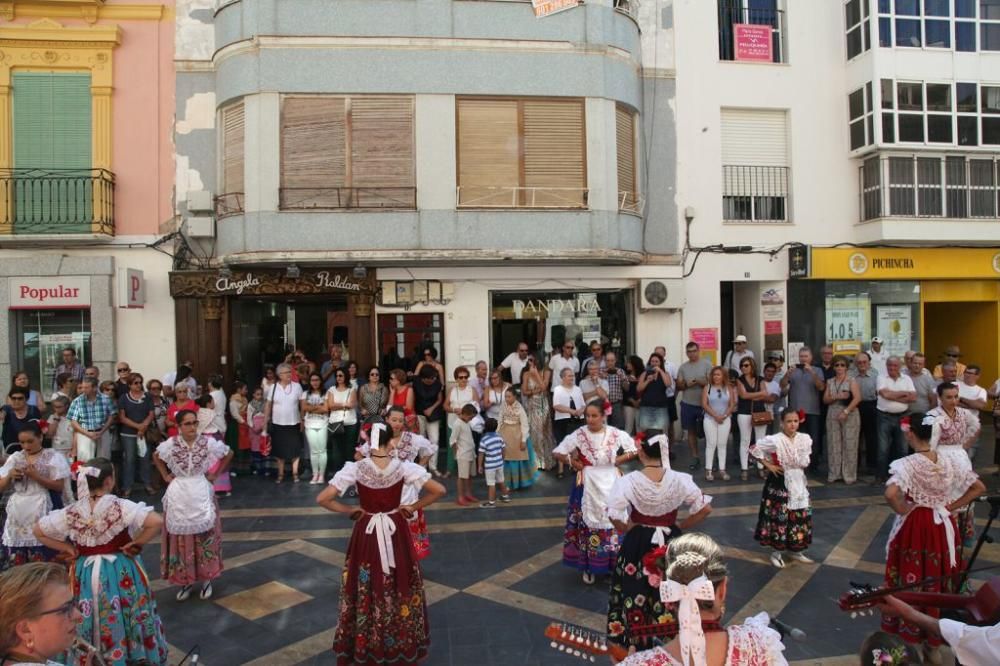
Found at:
[970, 394]
[69, 366]
[91, 414]
[923, 383]
[737, 354]
[516, 362]
[567, 359]
[122, 370]
[949, 373]
[951, 355]
[867, 379]
[596, 356]
[328, 370]
[895, 394]
[805, 386]
[617, 385]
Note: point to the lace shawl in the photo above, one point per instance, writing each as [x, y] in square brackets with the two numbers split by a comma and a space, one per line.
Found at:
[651, 498]
[96, 526]
[367, 473]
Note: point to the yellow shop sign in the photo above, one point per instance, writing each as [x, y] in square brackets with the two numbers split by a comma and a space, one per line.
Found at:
[874, 263]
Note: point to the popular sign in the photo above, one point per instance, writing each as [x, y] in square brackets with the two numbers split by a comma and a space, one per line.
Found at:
[49, 293]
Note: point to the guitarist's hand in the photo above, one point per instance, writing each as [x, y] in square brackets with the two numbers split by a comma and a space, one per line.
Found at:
[893, 607]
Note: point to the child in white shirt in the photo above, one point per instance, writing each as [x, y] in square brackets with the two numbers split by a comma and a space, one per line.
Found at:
[465, 453]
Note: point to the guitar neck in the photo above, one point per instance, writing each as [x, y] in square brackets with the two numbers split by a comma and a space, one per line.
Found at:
[935, 599]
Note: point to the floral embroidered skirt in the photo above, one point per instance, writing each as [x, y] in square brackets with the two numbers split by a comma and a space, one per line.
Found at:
[11, 556]
[917, 552]
[634, 600]
[777, 526]
[586, 549]
[418, 530]
[186, 559]
[130, 631]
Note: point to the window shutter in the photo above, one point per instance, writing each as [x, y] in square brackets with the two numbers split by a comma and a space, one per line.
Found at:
[754, 138]
[314, 152]
[554, 158]
[382, 151]
[628, 196]
[488, 152]
[52, 120]
[232, 148]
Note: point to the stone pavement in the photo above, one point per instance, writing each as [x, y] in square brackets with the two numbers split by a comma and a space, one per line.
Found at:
[494, 578]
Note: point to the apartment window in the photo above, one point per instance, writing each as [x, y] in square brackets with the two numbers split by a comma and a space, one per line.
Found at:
[230, 199]
[521, 153]
[953, 186]
[733, 13]
[962, 114]
[856, 18]
[754, 165]
[625, 138]
[934, 24]
[340, 152]
[861, 112]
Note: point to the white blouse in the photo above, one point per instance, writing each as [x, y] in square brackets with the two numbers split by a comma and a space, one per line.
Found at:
[410, 447]
[368, 474]
[284, 403]
[562, 395]
[599, 448]
[752, 643]
[95, 526]
[30, 499]
[637, 491]
[793, 456]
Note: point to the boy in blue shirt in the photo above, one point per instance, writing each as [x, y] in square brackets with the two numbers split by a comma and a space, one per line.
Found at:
[491, 448]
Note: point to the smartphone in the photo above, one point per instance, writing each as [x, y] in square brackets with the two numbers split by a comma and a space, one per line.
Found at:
[800, 365]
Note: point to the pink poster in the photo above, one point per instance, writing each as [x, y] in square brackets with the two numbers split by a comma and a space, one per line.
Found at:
[752, 42]
[707, 338]
[772, 327]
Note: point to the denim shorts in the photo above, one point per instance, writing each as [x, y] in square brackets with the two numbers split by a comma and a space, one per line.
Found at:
[652, 418]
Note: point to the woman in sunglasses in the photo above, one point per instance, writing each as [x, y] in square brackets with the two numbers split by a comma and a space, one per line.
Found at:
[16, 414]
[103, 535]
[38, 614]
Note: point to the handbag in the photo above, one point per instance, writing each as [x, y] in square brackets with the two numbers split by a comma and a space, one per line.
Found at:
[762, 418]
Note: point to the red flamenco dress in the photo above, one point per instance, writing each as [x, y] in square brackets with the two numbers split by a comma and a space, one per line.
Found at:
[383, 610]
[923, 544]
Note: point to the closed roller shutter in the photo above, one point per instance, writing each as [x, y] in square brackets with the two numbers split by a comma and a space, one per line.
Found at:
[232, 148]
[625, 146]
[754, 138]
[382, 150]
[554, 153]
[314, 152]
[488, 152]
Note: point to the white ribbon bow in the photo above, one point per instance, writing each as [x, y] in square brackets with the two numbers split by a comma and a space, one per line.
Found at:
[383, 527]
[81, 480]
[660, 534]
[942, 515]
[94, 563]
[691, 635]
[663, 444]
[375, 435]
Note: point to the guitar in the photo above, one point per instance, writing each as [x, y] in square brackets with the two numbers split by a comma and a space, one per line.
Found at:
[587, 644]
[982, 608]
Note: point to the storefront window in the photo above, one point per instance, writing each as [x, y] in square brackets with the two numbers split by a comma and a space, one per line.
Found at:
[847, 314]
[546, 319]
[39, 338]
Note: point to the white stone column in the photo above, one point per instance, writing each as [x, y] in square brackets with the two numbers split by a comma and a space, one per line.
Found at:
[436, 162]
[602, 156]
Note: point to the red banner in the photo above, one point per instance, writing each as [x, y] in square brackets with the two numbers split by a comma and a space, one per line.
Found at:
[752, 43]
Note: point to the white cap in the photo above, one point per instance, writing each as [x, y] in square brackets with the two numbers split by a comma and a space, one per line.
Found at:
[740, 338]
[878, 340]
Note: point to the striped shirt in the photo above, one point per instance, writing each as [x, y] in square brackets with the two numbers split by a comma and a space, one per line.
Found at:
[491, 446]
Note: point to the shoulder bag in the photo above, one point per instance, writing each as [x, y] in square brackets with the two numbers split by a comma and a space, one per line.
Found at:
[765, 417]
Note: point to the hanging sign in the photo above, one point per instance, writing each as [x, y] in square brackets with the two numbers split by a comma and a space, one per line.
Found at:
[549, 7]
[131, 288]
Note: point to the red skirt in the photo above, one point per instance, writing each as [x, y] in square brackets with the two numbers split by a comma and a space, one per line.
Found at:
[918, 551]
[421, 540]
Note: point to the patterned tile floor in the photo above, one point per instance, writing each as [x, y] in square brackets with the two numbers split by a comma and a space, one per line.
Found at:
[495, 579]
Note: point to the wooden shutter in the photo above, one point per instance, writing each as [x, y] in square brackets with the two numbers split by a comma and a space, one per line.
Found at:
[628, 197]
[52, 134]
[554, 157]
[232, 148]
[488, 152]
[314, 152]
[382, 151]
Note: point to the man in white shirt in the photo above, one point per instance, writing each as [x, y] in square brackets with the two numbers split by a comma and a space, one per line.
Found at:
[516, 361]
[565, 360]
[878, 355]
[170, 379]
[971, 645]
[737, 354]
[895, 393]
[970, 394]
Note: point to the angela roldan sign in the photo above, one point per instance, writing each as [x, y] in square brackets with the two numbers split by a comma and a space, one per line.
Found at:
[251, 283]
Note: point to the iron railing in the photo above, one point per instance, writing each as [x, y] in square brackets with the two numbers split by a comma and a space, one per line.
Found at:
[952, 187]
[755, 193]
[58, 201]
[339, 198]
[522, 197]
[629, 7]
[733, 12]
[230, 203]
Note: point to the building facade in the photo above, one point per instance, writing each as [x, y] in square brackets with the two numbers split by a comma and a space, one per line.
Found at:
[460, 173]
[858, 138]
[86, 92]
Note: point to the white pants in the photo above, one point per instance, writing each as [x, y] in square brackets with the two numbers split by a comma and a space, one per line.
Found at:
[716, 438]
[86, 448]
[631, 416]
[434, 435]
[316, 437]
[745, 422]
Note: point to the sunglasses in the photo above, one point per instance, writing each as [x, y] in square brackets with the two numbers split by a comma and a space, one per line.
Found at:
[66, 609]
[744, 365]
[137, 383]
[16, 398]
[463, 376]
[124, 369]
[373, 374]
[840, 365]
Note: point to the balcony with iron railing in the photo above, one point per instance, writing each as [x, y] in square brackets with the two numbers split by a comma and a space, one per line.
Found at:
[917, 186]
[755, 193]
[347, 198]
[628, 7]
[57, 201]
[522, 197]
[738, 12]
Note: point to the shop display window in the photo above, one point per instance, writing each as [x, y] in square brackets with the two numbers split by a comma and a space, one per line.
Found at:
[39, 338]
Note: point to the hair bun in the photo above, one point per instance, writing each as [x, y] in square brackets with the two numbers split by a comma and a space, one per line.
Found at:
[689, 559]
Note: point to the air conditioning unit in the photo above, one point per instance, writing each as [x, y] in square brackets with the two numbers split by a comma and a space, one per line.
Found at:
[661, 294]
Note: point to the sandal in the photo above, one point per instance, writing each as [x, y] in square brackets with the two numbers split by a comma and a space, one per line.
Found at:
[709, 476]
[280, 478]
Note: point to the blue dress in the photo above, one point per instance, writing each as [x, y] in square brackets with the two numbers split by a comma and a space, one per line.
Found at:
[111, 588]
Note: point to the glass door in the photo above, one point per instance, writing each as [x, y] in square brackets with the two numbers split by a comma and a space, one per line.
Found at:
[39, 338]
